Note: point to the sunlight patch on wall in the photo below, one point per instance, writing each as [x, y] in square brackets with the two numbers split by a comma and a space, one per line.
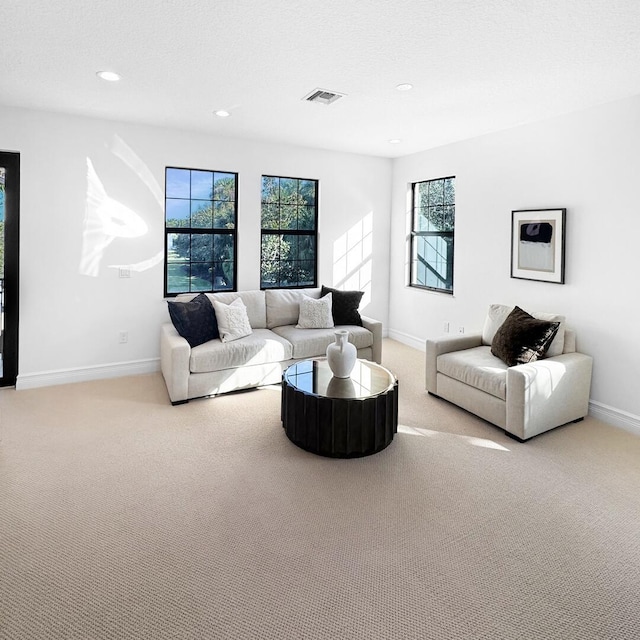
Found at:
[105, 220]
[352, 253]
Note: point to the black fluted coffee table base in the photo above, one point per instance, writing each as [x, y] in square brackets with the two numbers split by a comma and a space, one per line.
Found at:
[340, 427]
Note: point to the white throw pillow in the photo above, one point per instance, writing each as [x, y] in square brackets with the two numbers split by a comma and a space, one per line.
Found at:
[315, 314]
[233, 322]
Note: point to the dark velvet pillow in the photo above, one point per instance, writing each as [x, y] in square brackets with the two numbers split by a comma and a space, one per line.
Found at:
[344, 306]
[195, 320]
[522, 338]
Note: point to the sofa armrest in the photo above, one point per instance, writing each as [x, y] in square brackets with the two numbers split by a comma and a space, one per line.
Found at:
[174, 362]
[445, 344]
[375, 326]
[547, 393]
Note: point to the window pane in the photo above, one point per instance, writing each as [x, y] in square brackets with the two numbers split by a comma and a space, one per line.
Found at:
[201, 247]
[306, 218]
[270, 274]
[289, 247]
[422, 219]
[270, 216]
[288, 190]
[308, 192]
[201, 214]
[307, 247]
[178, 213]
[178, 247]
[222, 276]
[270, 189]
[223, 246]
[178, 277]
[436, 192]
[201, 276]
[224, 187]
[201, 185]
[449, 191]
[224, 216]
[422, 195]
[288, 217]
[305, 272]
[178, 183]
[436, 218]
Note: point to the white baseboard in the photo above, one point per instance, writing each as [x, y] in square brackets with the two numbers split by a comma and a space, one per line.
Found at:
[600, 411]
[84, 374]
[616, 417]
[405, 338]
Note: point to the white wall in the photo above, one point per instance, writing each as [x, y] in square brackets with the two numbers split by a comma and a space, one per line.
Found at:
[69, 321]
[588, 162]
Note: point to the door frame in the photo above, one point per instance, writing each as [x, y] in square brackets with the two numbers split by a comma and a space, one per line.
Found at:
[10, 160]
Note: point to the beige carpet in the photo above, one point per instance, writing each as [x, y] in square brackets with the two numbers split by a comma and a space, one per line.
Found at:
[124, 517]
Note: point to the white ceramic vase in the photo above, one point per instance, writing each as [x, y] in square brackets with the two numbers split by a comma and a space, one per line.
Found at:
[341, 355]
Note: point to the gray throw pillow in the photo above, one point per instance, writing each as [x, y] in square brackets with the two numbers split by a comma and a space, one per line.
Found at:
[522, 338]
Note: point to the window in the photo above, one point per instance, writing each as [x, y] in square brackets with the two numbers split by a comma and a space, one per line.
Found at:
[289, 220]
[434, 212]
[200, 230]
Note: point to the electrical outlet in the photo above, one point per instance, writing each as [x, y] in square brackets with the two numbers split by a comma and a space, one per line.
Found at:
[446, 327]
[460, 329]
[123, 272]
[123, 337]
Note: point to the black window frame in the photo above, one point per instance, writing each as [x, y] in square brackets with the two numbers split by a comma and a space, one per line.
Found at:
[201, 231]
[416, 234]
[282, 231]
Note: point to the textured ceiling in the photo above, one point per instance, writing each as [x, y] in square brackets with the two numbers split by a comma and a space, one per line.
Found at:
[476, 65]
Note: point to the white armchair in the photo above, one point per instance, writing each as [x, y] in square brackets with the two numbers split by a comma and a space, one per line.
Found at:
[525, 399]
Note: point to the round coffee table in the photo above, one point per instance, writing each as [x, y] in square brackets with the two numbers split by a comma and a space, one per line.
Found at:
[339, 417]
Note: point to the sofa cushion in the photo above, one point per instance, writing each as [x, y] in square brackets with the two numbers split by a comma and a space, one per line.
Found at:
[194, 319]
[497, 314]
[233, 322]
[261, 347]
[478, 368]
[310, 343]
[315, 314]
[522, 338]
[345, 305]
[253, 300]
[283, 305]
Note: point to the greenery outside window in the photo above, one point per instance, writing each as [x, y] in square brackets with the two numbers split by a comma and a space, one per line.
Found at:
[289, 221]
[432, 230]
[200, 230]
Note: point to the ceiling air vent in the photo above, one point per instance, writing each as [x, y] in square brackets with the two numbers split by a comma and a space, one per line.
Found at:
[322, 96]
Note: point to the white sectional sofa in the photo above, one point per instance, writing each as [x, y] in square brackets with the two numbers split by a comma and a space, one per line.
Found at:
[524, 399]
[216, 367]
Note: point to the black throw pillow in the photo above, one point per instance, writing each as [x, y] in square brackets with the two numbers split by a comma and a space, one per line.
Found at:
[344, 305]
[522, 338]
[195, 320]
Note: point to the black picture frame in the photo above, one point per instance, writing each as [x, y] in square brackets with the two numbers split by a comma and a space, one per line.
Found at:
[538, 244]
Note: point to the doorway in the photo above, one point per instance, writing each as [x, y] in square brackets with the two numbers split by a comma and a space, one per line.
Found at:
[9, 265]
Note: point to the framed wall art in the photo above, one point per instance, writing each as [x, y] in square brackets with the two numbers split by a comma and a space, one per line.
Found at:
[537, 244]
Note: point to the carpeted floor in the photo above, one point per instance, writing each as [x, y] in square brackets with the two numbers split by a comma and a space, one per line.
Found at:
[122, 517]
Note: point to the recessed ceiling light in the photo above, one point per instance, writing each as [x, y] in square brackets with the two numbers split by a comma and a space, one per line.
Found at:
[395, 141]
[221, 113]
[109, 76]
[405, 86]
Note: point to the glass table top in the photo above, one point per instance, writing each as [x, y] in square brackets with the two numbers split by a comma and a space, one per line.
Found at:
[367, 379]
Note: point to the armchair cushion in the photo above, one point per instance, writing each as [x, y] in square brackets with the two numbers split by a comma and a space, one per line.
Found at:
[522, 338]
